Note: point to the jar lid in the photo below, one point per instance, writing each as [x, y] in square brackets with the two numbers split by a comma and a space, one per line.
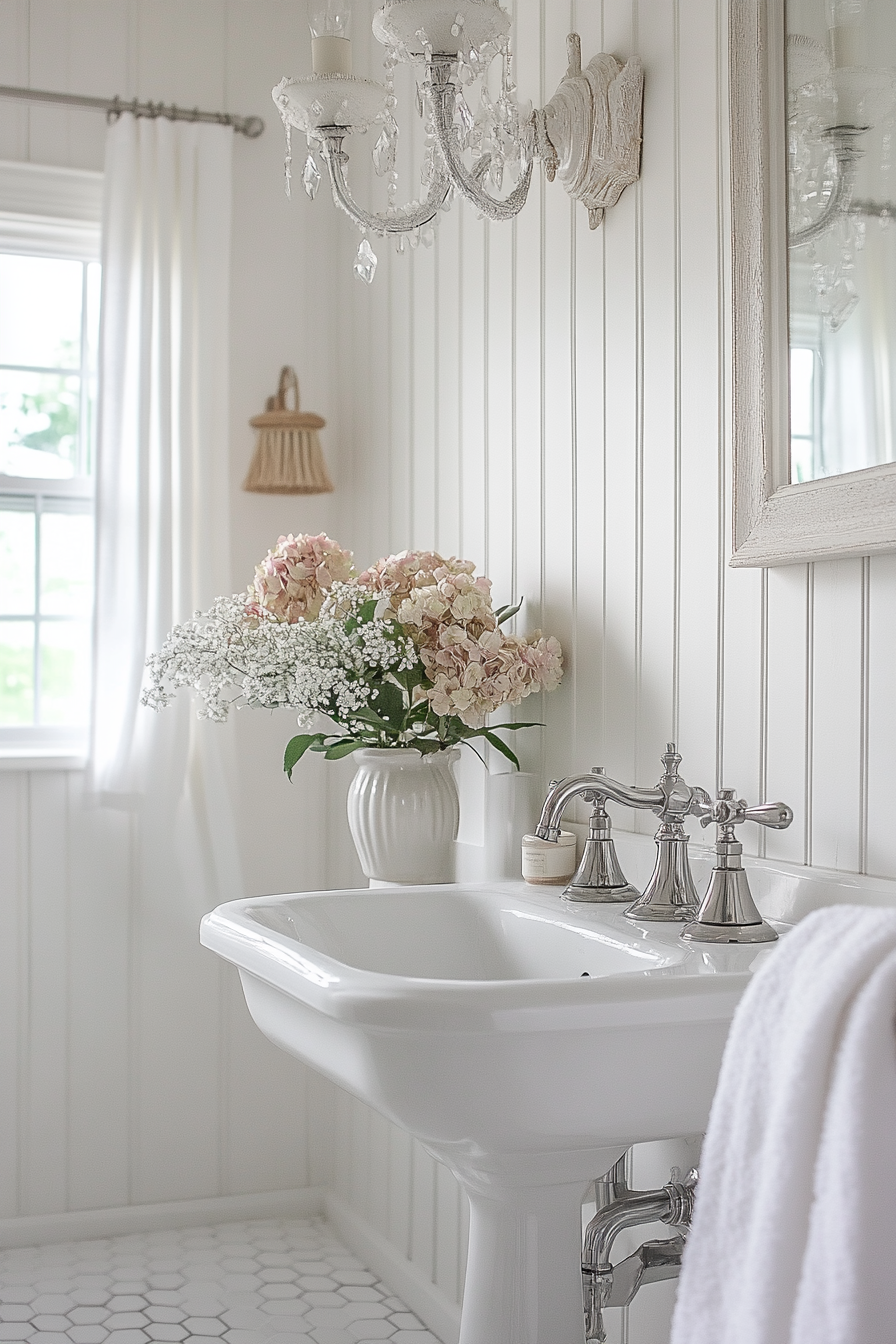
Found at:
[564, 838]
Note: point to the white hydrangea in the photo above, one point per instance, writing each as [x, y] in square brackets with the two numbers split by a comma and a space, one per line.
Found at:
[322, 666]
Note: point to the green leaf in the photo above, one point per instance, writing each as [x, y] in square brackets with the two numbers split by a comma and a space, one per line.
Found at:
[512, 727]
[389, 702]
[296, 748]
[500, 746]
[428, 746]
[368, 716]
[340, 749]
[367, 610]
[505, 613]
[467, 743]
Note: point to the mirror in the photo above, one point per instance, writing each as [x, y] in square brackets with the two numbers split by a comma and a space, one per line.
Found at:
[841, 95]
[813, 104]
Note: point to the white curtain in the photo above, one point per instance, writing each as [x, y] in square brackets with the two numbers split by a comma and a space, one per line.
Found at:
[162, 478]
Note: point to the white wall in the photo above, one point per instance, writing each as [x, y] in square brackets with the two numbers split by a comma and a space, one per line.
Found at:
[553, 403]
[131, 1072]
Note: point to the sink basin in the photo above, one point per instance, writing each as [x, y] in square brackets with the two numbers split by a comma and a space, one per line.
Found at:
[489, 1019]
[526, 1041]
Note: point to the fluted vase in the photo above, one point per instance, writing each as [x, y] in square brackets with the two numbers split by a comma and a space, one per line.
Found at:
[403, 813]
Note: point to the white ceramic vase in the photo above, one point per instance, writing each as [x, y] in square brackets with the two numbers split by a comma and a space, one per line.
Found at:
[403, 813]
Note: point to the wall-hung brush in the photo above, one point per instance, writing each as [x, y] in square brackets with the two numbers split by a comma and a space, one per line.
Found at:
[288, 457]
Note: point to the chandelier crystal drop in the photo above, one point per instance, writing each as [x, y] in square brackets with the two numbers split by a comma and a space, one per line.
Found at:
[365, 263]
[479, 140]
[311, 176]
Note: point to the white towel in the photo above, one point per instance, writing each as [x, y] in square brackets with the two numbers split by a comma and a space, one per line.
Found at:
[794, 1234]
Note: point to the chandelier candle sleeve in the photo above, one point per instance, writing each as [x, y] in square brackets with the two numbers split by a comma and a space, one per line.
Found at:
[331, 48]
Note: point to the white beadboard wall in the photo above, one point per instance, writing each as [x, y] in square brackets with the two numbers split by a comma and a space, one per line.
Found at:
[131, 1071]
[554, 404]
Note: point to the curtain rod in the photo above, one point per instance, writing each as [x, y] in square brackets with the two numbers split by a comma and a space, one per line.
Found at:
[251, 127]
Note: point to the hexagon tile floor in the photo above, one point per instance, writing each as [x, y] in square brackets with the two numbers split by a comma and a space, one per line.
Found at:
[271, 1282]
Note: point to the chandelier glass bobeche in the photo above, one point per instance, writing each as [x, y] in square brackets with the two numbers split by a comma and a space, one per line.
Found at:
[480, 141]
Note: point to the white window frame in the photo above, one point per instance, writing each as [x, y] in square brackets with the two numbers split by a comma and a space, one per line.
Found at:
[49, 212]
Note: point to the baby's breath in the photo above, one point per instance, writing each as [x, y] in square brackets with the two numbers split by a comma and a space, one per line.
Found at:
[326, 666]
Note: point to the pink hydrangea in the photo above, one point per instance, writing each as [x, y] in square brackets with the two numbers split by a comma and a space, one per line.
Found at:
[472, 677]
[291, 582]
[453, 599]
[395, 576]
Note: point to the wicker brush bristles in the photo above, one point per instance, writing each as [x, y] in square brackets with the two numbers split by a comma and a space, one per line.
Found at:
[288, 459]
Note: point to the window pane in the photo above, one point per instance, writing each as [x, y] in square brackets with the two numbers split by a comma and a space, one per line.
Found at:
[39, 415]
[802, 391]
[16, 672]
[66, 561]
[16, 557]
[64, 672]
[40, 311]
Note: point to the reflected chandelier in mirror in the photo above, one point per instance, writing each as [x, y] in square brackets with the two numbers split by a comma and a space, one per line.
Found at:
[842, 234]
[812, 198]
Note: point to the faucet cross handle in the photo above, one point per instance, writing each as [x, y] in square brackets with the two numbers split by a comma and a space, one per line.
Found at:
[728, 913]
[729, 811]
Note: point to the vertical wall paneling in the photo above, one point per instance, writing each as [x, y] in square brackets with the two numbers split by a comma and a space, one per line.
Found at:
[98, 1069]
[131, 1069]
[838, 694]
[588, 400]
[701, 268]
[13, 978]
[591, 459]
[787, 687]
[658, 303]
[423, 1210]
[881, 713]
[45, 1099]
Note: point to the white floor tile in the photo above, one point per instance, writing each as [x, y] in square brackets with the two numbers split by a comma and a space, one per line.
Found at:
[257, 1282]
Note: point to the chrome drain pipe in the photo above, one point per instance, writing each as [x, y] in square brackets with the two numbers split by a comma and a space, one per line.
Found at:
[607, 1285]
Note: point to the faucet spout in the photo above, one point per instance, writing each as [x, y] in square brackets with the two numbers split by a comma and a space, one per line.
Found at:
[562, 794]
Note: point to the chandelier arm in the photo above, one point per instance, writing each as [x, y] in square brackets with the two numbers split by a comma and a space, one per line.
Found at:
[441, 89]
[406, 221]
[845, 154]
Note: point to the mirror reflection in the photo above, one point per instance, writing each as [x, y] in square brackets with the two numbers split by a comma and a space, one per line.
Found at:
[841, 107]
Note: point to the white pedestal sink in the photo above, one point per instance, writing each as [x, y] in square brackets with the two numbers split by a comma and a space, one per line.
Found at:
[525, 1041]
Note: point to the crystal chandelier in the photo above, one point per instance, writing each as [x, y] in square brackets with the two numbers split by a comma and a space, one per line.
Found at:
[480, 141]
[835, 99]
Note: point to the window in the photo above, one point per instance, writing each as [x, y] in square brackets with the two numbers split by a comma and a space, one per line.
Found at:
[49, 318]
[805, 414]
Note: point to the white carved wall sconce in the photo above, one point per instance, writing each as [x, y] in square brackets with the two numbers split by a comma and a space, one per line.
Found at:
[588, 136]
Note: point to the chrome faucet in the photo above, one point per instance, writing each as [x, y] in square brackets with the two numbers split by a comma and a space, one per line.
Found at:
[670, 894]
[617, 1207]
[728, 912]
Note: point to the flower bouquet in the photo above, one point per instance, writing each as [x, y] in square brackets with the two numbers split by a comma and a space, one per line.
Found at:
[408, 654]
[406, 660]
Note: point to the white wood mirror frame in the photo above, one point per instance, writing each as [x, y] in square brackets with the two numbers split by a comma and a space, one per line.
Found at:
[776, 523]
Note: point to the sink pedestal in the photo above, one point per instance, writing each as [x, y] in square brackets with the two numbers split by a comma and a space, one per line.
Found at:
[524, 1276]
